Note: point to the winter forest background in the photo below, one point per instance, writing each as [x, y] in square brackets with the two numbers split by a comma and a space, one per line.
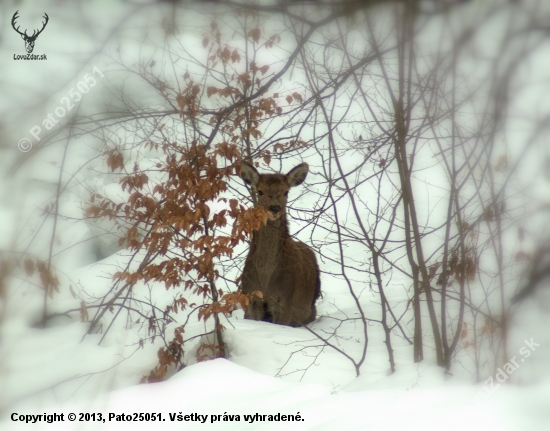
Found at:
[124, 225]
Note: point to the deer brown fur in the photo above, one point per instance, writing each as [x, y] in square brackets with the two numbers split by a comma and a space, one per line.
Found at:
[284, 270]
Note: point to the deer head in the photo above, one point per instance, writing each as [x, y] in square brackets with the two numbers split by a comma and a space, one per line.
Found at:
[272, 189]
[29, 40]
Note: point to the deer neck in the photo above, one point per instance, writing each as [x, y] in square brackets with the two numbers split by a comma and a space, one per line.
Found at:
[267, 247]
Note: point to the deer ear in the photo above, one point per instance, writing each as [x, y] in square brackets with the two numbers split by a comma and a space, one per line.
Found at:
[249, 174]
[297, 175]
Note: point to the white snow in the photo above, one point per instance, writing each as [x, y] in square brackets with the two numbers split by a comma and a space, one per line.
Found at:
[220, 387]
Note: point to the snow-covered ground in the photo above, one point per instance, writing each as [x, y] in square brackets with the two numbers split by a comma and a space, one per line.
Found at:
[271, 370]
[222, 395]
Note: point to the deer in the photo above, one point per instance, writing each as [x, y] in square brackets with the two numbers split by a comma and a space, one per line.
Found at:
[29, 40]
[282, 269]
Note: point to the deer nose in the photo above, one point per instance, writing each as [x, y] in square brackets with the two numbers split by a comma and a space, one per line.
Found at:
[274, 209]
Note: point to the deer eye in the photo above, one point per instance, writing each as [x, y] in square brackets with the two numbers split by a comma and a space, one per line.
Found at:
[260, 193]
[286, 193]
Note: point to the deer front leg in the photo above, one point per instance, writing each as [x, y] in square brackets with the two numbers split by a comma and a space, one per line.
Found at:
[255, 309]
[282, 314]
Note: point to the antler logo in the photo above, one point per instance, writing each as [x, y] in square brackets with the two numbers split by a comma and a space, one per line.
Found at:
[29, 40]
